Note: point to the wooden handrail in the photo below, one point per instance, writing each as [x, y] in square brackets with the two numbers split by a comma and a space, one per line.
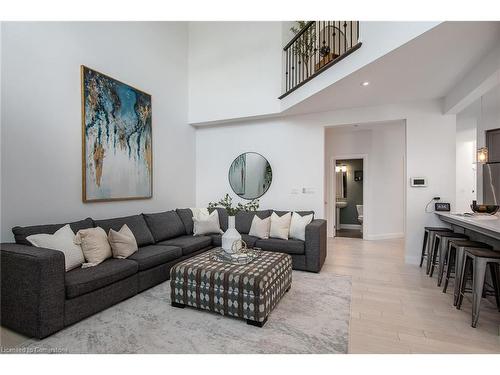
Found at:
[297, 36]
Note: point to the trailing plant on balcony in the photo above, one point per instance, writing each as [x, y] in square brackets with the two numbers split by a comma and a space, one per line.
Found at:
[305, 46]
[227, 204]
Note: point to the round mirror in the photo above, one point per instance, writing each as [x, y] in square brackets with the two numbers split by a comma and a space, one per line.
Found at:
[250, 175]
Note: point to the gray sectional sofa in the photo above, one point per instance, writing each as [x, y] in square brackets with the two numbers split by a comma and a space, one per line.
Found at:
[39, 298]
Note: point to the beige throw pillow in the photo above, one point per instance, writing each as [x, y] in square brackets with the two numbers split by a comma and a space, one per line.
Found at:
[280, 225]
[95, 245]
[260, 227]
[123, 243]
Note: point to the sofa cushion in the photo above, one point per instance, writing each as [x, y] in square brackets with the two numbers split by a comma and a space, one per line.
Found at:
[136, 223]
[223, 218]
[282, 246]
[20, 233]
[249, 240]
[189, 244]
[84, 280]
[244, 219]
[154, 255]
[165, 225]
[186, 216]
[301, 213]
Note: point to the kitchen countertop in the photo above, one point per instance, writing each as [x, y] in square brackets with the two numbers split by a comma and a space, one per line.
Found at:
[488, 226]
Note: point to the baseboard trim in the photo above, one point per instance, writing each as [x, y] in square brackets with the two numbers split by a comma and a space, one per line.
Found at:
[412, 260]
[384, 236]
[350, 226]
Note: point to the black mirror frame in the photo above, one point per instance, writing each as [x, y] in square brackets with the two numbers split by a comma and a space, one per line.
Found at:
[229, 172]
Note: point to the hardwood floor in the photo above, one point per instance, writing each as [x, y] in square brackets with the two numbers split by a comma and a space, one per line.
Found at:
[396, 308]
[351, 233]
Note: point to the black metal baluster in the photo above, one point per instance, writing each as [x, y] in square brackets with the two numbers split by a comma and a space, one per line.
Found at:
[323, 44]
[286, 70]
[312, 50]
[294, 66]
[315, 62]
[345, 36]
[338, 33]
[327, 56]
[333, 40]
[350, 33]
[289, 69]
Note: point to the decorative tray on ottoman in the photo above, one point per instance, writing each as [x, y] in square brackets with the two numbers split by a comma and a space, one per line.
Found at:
[244, 256]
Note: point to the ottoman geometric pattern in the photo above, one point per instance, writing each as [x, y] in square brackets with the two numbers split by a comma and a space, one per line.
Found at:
[249, 291]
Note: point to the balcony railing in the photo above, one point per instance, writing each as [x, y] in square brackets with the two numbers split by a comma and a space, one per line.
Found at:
[315, 48]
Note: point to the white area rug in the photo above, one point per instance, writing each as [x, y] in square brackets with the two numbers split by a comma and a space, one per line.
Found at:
[313, 317]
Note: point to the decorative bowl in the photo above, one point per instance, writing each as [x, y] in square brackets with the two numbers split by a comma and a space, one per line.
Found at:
[485, 208]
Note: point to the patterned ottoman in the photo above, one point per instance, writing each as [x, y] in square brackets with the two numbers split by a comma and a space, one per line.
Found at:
[249, 291]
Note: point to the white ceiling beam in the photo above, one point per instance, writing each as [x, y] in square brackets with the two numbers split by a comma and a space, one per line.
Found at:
[477, 82]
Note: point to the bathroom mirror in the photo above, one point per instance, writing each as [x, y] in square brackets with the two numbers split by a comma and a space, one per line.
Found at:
[341, 181]
[250, 175]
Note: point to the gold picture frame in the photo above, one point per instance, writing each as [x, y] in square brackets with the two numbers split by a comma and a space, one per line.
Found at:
[112, 106]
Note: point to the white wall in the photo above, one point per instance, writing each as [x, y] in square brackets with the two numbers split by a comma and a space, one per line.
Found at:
[295, 148]
[234, 69]
[384, 145]
[487, 117]
[41, 123]
[472, 122]
[465, 162]
[285, 143]
[378, 38]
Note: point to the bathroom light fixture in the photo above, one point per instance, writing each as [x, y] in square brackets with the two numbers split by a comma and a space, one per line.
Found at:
[482, 155]
[365, 83]
[340, 168]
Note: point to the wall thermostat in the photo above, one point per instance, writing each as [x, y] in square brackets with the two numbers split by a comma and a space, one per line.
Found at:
[418, 181]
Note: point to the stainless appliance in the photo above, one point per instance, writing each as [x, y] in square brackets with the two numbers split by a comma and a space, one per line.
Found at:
[491, 183]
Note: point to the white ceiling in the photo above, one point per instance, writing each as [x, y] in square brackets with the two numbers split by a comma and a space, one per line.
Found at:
[427, 67]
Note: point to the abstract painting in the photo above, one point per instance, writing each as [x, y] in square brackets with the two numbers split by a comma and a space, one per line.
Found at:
[117, 139]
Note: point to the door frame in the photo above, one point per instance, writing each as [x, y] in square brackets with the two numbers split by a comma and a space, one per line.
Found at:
[331, 209]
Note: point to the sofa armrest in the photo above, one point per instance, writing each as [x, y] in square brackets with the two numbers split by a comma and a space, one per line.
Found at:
[315, 245]
[32, 289]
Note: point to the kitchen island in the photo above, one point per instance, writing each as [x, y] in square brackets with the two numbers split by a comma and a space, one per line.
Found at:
[478, 228]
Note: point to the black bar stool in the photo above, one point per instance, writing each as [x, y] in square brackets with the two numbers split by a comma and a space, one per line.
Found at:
[433, 249]
[456, 251]
[440, 251]
[427, 239]
[477, 260]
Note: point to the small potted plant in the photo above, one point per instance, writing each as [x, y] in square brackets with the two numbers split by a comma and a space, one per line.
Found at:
[231, 235]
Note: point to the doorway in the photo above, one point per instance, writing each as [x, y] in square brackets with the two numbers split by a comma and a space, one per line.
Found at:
[349, 197]
[382, 146]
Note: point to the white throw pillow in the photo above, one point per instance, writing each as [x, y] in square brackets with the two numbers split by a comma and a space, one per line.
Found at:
[298, 226]
[280, 225]
[62, 240]
[123, 243]
[199, 211]
[95, 246]
[206, 224]
[260, 227]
